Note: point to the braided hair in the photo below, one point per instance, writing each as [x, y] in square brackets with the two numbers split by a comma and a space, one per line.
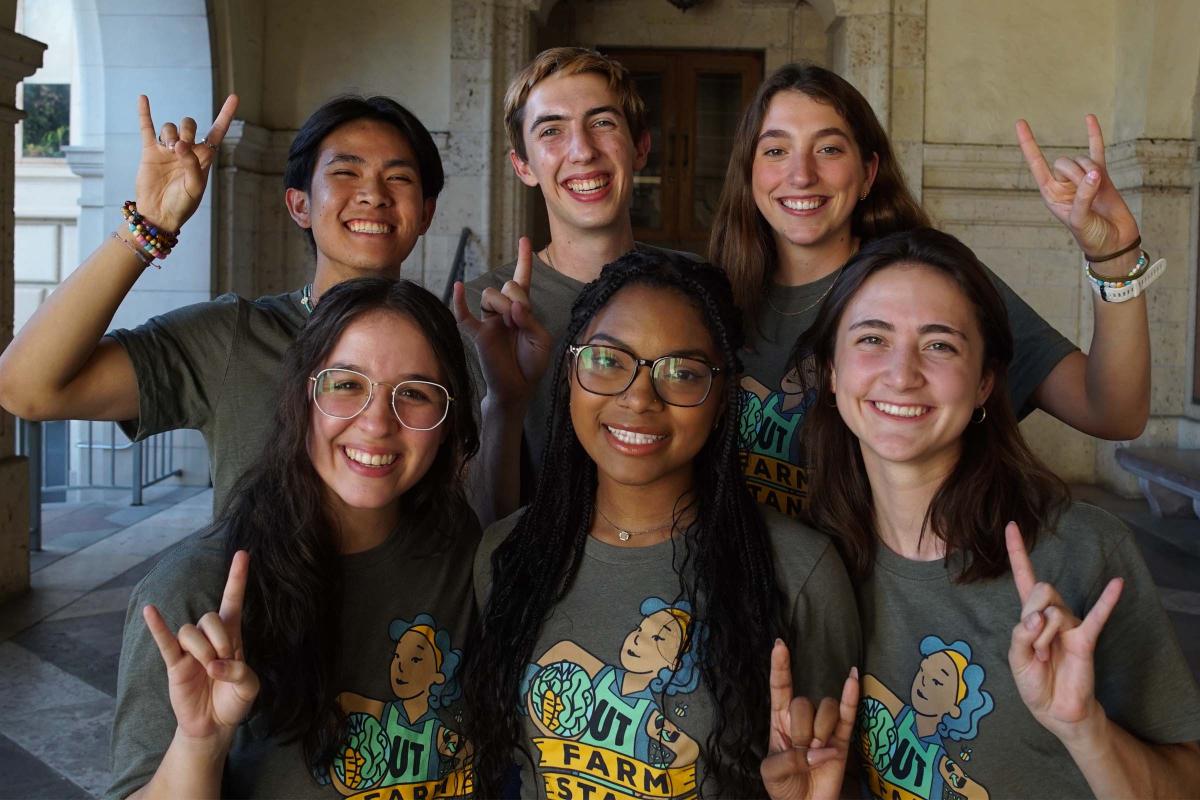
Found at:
[723, 560]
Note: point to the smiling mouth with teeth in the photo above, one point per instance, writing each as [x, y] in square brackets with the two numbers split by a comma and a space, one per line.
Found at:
[803, 205]
[369, 459]
[893, 410]
[587, 186]
[366, 226]
[629, 437]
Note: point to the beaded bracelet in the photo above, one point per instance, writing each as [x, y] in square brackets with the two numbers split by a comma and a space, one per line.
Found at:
[146, 260]
[1115, 283]
[158, 242]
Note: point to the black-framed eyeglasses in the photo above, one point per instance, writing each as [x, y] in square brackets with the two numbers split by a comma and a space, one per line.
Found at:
[345, 393]
[607, 370]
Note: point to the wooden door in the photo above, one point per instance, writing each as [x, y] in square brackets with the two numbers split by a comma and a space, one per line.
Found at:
[694, 99]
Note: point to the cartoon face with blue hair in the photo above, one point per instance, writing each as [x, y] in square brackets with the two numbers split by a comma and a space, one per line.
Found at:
[662, 647]
[947, 689]
[424, 666]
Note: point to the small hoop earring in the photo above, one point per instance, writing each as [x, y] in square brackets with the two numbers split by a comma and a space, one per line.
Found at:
[982, 415]
[833, 397]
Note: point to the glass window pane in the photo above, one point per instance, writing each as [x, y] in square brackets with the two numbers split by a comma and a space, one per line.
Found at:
[718, 104]
[646, 209]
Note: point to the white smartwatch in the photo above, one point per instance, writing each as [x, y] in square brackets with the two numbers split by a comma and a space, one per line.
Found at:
[1118, 290]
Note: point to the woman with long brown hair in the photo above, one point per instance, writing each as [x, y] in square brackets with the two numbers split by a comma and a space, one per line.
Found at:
[1014, 643]
[329, 663]
[811, 179]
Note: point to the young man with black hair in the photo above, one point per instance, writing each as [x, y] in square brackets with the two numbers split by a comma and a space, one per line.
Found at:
[362, 180]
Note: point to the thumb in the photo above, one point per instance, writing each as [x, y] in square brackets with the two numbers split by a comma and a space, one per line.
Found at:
[525, 319]
[1020, 651]
[1085, 195]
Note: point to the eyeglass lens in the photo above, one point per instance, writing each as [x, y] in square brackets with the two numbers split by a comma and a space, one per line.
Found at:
[344, 393]
[678, 380]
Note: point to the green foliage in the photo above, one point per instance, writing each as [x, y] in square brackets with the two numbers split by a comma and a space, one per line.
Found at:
[47, 119]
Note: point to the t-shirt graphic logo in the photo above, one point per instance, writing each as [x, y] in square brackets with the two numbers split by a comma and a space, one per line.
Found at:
[771, 448]
[604, 730]
[402, 743]
[903, 744]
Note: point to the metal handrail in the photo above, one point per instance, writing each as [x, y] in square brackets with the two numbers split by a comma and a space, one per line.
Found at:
[31, 442]
[458, 267]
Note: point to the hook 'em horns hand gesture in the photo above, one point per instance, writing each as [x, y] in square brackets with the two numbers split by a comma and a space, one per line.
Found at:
[1080, 194]
[1052, 651]
[174, 167]
[212, 687]
[806, 754]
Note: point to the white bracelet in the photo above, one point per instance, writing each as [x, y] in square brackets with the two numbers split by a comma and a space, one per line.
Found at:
[1118, 290]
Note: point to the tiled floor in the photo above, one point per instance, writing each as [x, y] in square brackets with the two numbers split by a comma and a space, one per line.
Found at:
[59, 644]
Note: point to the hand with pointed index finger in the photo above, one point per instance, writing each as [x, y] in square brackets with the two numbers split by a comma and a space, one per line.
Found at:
[807, 746]
[514, 348]
[1080, 193]
[212, 688]
[1052, 653]
[173, 170]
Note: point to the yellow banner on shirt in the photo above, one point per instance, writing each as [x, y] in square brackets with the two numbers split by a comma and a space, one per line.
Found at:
[880, 787]
[577, 770]
[456, 784]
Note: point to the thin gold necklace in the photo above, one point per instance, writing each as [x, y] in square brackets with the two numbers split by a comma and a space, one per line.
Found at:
[625, 535]
[811, 305]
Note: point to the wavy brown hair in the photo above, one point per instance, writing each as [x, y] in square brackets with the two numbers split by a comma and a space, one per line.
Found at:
[278, 511]
[570, 61]
[997, 478]
[741, 240]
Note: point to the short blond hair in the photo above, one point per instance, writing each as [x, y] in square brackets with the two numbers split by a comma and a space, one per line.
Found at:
[570, 61]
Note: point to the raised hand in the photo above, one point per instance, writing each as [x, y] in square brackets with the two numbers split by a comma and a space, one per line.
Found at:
[806, 754]
[1052, 652]
[174, 167]
[211, 686]
[514, 348]
[1080, 194]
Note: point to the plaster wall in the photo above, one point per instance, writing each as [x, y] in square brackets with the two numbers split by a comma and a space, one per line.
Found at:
[316, 49]
[988, 64]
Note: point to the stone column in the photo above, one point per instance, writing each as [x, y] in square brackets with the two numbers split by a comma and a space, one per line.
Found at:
[491, 40]
[20, 57]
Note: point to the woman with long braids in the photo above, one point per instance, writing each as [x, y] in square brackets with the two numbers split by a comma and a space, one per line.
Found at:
[1014, 643]
[812, 178]
[631, 610]
[331, 664]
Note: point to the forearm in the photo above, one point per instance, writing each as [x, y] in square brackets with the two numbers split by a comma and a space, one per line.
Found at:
[495, 478]
[1117, 764]
[60, 338]
[1118, 370]
[189, 769]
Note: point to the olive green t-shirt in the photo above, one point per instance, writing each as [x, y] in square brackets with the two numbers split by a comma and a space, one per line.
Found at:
[214, 367]
[940, 717]
[406, 611]
[774, 405]
[612, 708]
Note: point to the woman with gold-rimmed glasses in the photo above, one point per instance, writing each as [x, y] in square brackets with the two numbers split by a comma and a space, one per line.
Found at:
[331, 665]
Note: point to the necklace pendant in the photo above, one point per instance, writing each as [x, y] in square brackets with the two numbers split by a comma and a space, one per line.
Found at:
[623, 536]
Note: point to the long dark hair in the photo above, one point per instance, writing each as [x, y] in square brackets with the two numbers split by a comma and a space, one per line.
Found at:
[997, 478]
[726, 572]
[277, 512]
[336, 112]
[742, 242]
